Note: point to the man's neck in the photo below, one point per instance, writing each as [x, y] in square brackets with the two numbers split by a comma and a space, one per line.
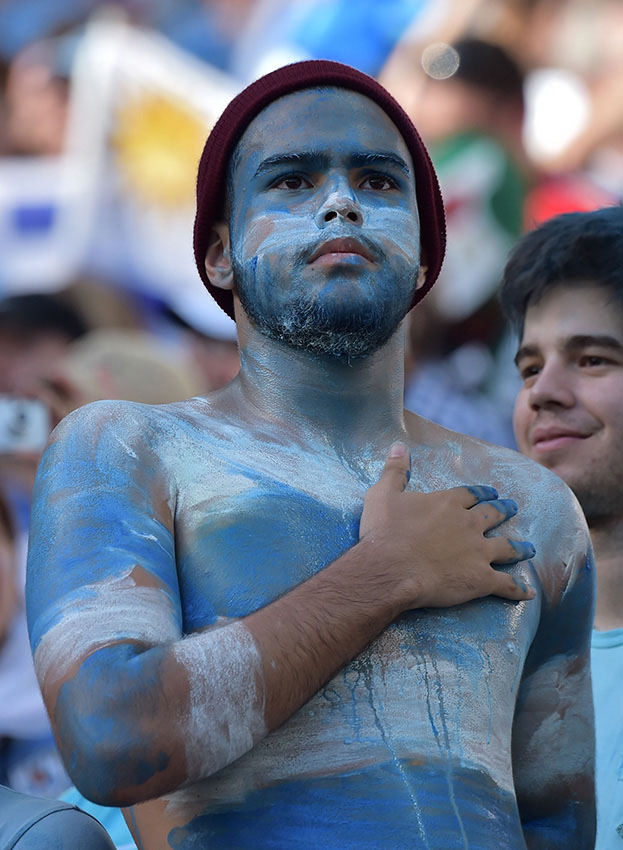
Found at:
[351, 407]
[608, 545]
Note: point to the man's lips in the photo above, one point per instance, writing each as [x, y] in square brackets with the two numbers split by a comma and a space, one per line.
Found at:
[336, 249]
[548, 438]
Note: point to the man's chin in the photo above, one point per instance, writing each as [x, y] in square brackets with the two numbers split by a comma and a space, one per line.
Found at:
[342, 322]
[345, 346]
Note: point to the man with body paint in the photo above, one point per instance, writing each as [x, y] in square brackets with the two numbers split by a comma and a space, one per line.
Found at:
[563, 293]
[255, 622]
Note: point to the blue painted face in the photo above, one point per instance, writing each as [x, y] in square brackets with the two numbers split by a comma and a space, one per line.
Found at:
[324, 226]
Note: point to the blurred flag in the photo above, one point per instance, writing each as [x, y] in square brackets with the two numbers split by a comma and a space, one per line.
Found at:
[120, 201]
[42, 236]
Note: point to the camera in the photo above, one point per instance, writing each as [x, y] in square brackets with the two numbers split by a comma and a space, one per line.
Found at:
[24, 425]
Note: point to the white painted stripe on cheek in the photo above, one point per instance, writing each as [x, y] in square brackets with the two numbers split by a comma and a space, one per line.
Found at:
[226, 706]
[112, 611]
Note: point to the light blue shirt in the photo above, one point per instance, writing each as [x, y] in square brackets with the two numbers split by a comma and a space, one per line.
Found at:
[607, 672]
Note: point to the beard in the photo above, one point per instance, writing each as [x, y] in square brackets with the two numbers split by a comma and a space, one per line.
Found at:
[601, 501]
[332, 324]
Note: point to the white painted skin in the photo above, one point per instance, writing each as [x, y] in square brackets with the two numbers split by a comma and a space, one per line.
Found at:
[226, 704]
[97, 616]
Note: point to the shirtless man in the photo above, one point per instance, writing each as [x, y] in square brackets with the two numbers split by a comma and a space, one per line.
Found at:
[251, 629]
[563, 292]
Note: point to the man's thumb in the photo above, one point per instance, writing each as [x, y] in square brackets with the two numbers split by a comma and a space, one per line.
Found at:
[397, 469]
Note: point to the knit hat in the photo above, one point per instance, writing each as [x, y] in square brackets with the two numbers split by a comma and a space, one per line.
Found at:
[212, 176]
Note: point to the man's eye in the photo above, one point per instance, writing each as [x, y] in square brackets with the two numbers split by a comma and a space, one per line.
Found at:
[292, 182]
[529, 371]
[592, 360]
[378, 182]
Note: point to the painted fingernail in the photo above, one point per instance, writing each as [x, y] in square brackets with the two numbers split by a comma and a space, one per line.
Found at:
[509, 506]
[483, 492]
[398, 449]
[525, 588]
[524, 549]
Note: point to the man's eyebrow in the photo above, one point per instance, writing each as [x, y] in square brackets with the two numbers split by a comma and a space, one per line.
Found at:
[575, 343]
[525, 351]
[590, 340]
[380, 158]
[319, 159]
[303, 158]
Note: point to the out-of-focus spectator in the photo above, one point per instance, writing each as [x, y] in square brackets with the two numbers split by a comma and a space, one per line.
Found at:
[571, 53]
[35, 332]
[582, 45]
[210, 339]
[502, 22]
[130, 365]
[29, 761]
[446, 387]
[470, 111]
[472, 120]
[36, 95]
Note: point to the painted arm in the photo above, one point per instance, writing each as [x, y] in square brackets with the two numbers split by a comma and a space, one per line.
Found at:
[138, 707]
[553, 737]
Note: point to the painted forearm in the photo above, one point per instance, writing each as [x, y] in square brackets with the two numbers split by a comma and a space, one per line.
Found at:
[135, 722]
[154, 718]
[311, 632]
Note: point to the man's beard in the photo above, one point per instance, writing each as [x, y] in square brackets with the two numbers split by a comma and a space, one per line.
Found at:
[343, 329]
[601, 501]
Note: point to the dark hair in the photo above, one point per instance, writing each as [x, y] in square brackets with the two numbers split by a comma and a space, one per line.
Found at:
[490, 68]
[579, 248]
[40, 313]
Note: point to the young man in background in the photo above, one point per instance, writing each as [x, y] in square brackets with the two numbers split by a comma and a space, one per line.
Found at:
[563, 292]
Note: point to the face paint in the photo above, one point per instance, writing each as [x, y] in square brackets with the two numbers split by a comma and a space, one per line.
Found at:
[324, 226]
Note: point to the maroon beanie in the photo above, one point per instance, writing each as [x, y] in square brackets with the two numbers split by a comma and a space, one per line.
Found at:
[212, 176]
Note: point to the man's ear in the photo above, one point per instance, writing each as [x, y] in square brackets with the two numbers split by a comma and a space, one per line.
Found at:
[421, 275]
[218, 264]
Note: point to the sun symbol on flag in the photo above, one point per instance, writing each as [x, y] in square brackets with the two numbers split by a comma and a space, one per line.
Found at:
[158, 142]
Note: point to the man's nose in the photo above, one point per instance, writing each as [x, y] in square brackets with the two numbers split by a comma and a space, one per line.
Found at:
[339, 203]
[552, 387]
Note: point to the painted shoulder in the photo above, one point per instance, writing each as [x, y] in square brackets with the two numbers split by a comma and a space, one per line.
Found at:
[115, 441]
[549, 514]
[127, 420]
[555, 521]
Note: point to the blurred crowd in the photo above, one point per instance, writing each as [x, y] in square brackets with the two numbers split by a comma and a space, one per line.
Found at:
[103, 112]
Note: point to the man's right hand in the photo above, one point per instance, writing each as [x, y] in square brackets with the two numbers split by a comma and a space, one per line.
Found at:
[436, 540]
